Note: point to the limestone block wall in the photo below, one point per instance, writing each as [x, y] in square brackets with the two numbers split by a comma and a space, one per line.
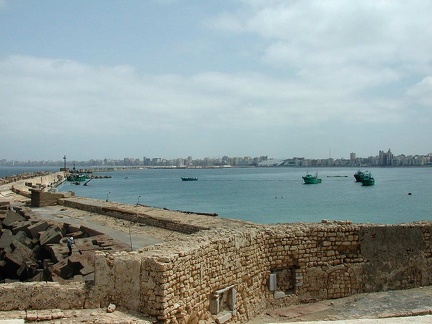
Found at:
[236, 274]
[396, 257]
[40, 198]
[41, 180]
[121, 213]
[177, 281]
[42, 295]
[35, 176]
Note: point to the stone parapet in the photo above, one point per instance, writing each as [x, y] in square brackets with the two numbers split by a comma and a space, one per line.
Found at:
[42, 295]
[179, 281]
[121, 211]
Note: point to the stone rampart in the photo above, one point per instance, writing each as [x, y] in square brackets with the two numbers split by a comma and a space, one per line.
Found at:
[134, 216]
[42, 295]
[235, 275]
[25, 183]
[40, 198]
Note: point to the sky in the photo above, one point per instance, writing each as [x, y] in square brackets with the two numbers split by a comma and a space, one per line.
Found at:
[177, 78]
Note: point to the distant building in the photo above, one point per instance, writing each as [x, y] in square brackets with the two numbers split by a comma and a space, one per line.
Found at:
[385, 159]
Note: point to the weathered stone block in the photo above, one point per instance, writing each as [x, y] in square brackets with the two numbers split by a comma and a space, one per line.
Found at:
[22, 226]
[223, 317]
[20, 253]
[6, 238]
[51, 236]
[35, 228]
[11, 218]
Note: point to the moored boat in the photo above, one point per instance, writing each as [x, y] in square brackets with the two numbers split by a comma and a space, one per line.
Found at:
[367, 179]
[310, 179]
[189, 179]
[76, 177]
[358, 175]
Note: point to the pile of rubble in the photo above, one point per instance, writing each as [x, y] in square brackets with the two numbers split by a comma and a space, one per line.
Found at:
[33, 249]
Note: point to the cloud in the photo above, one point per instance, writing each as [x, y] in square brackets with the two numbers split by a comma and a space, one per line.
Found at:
[112, 100]
[422, 92]
[317, 34]
[356, 58]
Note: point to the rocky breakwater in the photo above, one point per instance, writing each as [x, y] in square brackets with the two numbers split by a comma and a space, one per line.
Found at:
[22, 176]
[18, 188]
[32, 249]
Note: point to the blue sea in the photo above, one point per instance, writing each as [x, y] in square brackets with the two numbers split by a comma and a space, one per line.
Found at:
[272, 195]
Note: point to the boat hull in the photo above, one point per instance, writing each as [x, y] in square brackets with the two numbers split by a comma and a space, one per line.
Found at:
[310, 179]
[77, 177]
[368, 182]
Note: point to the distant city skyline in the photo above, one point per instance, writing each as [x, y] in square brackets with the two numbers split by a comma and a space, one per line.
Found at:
[214, 78]
[383, 158]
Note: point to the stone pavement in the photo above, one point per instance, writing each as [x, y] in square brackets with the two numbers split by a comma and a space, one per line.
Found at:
[99, 315]
[401, 306]
[395, 320]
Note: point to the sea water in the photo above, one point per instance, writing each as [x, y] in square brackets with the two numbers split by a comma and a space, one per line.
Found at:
[267, 195]
[272, 195]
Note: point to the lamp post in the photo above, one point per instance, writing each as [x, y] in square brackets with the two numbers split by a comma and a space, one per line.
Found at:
[107, 195]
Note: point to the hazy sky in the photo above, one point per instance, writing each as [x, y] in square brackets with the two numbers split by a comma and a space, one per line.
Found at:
[114, 79]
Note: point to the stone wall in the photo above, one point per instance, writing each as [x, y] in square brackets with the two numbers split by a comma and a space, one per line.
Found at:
[40, 198]
[122, 213]
[42, 182]
[23, 176]
[235, 275]
[42, 295]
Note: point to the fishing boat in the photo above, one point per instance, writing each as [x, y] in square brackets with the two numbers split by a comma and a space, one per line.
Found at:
[310, 179]
[358, 175]
[76, 177]
[367, 179]
[189, 179]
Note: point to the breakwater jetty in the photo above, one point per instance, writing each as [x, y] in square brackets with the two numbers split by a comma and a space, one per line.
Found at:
[222, 270]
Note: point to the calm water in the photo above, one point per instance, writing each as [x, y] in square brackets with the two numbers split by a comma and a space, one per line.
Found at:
[273, 195]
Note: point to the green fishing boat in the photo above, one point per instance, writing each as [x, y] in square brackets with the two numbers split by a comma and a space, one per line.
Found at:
[310, 179]
[367, 179]
[76, 177]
